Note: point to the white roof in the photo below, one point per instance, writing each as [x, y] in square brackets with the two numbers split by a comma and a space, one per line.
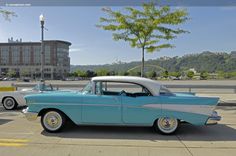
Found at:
[151, 85]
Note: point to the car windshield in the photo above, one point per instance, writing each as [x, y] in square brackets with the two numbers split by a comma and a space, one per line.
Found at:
[43, 87]
[87, 89]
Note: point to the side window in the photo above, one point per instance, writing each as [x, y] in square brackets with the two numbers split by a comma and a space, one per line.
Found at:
[165, 91]
[128, 89]
[98, 88]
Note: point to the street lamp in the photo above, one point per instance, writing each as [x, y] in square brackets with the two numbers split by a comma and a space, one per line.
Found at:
[42, 19]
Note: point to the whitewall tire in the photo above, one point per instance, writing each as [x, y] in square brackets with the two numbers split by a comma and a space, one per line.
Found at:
[166, 125]
[9, 103]
[53, 121]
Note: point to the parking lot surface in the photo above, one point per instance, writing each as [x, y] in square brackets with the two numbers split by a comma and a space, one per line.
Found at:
[19, 137]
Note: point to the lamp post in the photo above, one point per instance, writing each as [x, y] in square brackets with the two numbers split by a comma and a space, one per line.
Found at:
[42, 19]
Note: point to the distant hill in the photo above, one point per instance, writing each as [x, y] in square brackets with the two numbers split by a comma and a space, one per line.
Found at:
[205, 61]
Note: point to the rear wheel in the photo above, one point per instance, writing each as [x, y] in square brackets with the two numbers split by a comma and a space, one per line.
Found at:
[9, 103]
[166, 125]
[53, 121]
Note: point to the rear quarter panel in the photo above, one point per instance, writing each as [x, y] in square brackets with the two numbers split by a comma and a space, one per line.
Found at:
[192, 109]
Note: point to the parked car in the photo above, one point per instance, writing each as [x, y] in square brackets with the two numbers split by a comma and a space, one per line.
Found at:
[122, 101]
[11, 100]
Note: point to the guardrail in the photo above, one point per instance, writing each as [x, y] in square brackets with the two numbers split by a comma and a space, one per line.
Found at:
[170, 86]
[190, 87]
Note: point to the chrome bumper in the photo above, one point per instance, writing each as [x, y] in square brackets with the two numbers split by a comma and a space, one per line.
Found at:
[213, 119]
[31, 116]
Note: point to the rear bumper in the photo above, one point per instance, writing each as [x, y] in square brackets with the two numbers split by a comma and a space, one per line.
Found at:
[31, 116]
[213, 119]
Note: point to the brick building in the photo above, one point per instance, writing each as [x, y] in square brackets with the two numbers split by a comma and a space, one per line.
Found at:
[24, 58]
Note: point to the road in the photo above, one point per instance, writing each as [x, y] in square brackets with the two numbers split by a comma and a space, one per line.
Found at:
[19, 137]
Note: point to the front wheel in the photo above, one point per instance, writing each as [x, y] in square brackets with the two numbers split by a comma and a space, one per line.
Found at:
[53, 121]
[9, 103]
[166, 125]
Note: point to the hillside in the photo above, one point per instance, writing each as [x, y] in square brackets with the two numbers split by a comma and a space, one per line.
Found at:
[205, 61]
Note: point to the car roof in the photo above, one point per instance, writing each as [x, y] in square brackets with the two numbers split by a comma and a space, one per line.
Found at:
[151, 85]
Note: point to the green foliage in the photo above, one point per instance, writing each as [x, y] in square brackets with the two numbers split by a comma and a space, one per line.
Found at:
[151, 74]
[204, 75]
[210, 62]
[81, 73]
[123, 73]
[146, 28]
[190, 74]
[134, 73]
[102, 72]
[175, 74]
[7, 14]
[165, 74]
[11, 73]
[25, 73]
[90, 73]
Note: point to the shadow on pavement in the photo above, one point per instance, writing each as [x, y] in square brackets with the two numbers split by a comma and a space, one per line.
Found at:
[18, 109]
[186, 132]
[4, 121]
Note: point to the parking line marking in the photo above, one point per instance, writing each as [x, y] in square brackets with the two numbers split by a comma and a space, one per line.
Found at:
[13, 142]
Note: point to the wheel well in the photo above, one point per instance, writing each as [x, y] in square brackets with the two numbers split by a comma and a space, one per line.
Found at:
[43, 111]
[9, 97]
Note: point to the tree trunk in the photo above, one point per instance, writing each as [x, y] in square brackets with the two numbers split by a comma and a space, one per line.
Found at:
[142, 66]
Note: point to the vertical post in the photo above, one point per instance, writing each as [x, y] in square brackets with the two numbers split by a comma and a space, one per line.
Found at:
[142, 66]
[42, 51]
[41, 18]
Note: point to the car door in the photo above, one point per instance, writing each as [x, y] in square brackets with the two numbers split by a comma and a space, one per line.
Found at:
[139, 110]
[101, 109]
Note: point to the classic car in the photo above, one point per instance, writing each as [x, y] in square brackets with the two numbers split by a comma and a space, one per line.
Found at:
[122, 101]
[11, 100]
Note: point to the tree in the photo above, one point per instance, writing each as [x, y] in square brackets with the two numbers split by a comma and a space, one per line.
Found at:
[11, 73]
[123, 73]
[145, 29]
[165, 74]
[175, 74]
[102, 72]
[90, 73]
[81, 73]
[152, 74]
[190, 74]
[204, 75]
[7, 14]
[25, 73]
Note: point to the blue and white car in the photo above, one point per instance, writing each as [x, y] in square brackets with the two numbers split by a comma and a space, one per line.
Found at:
[10, 100]
[122, 101]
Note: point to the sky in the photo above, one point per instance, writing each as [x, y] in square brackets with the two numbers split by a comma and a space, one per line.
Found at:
[211, 29]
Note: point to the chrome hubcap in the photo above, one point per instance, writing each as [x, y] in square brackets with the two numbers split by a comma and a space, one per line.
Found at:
[52, 120]
[9, 103]
[167, 125]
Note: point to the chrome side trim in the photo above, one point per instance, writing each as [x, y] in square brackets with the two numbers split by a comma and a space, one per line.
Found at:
[31, 116]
